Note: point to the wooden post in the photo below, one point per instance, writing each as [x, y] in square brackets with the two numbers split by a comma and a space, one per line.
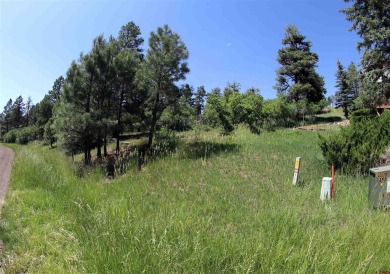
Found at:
[332, 194]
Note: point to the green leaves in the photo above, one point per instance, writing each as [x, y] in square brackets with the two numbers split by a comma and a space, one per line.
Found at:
[371, 20]
[358, 147]
[165, 64]
[345, 94]
[297, 78]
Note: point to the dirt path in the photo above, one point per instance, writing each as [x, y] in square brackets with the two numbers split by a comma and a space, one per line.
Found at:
[6, 156]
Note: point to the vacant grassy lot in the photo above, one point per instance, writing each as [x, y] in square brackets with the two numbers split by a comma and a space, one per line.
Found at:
[218, 204]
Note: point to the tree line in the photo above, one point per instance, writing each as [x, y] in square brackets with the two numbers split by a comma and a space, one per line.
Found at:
[117, 87]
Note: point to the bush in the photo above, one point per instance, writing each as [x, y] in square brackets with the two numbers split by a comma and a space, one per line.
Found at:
[358, 147]
[165, 142]
[10, 136]
[22, 135]
[277, 113]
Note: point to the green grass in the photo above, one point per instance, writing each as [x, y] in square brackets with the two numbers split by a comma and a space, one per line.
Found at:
[219, 204]
[332, 115]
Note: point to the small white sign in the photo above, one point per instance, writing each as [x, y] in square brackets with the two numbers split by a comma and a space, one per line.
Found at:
[388, 184]
[325, 188]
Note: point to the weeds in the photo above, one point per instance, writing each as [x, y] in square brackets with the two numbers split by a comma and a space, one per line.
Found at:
[215, 204]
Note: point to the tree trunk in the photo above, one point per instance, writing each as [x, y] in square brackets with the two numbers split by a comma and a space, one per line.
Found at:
[87, 153]
[87, 146]
[99, 146]
[154, 119]
[105, 142]
[119, 119]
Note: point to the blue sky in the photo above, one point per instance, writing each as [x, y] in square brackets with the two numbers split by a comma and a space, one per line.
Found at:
[227, 40]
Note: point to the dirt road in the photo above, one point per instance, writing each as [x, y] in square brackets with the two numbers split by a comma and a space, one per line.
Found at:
[6, 156]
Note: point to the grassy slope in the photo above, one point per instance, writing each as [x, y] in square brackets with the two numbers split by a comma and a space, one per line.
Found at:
[226, 205]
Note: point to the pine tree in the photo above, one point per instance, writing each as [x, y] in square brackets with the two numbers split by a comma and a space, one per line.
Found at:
[29, 105]
[297, 78]
[354, 80]
[371, 20]
[17, 112]
[55, 92]
[74, 121]
[199, 99]
[126, 63]
[165, 64]
[344, 95]
[7, 116]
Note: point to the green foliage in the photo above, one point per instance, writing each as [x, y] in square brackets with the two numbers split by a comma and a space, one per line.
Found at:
[22, 135]
[346, 91]
[164, 65]
[199, 100]
[181, 115]
[297, 78]
[235, 211]
[278, 113]
[371, 20]
[234, 108]
[49, 135]
[252, 106]
[217, 113]
[212, 110]
[10, 136]
[358, 147]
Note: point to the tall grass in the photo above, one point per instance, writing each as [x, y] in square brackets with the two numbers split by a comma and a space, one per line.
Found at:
[219, 204]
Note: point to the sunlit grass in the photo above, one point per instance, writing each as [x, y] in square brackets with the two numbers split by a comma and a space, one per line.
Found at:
[217, 204]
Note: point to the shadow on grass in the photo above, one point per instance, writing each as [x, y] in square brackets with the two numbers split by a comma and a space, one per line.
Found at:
[139, 156]
[133, 136]
[205, 149]
[330, 119]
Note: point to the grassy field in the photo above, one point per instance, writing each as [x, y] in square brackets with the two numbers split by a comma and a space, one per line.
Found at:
[218, 204]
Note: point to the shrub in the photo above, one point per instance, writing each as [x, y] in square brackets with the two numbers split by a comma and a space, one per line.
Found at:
[22, 135]
[10, 136]
[277, 113]
[358, 147]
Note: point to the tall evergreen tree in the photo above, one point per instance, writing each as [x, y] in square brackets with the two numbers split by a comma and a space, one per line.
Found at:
[199, 100]
[354, 79]
[129, 37]
[181, 114]
[101, 61]
[7, 115]
[165, 64]
[371, 20]
[55, 92]
[216, 91]
[29, 105]
[297, 78]
[126, 63]
[344, 95]
[18, 111]
[74, 120]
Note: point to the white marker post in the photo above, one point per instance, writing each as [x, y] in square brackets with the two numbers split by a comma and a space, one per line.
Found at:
[326, 188]
[296, 170]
